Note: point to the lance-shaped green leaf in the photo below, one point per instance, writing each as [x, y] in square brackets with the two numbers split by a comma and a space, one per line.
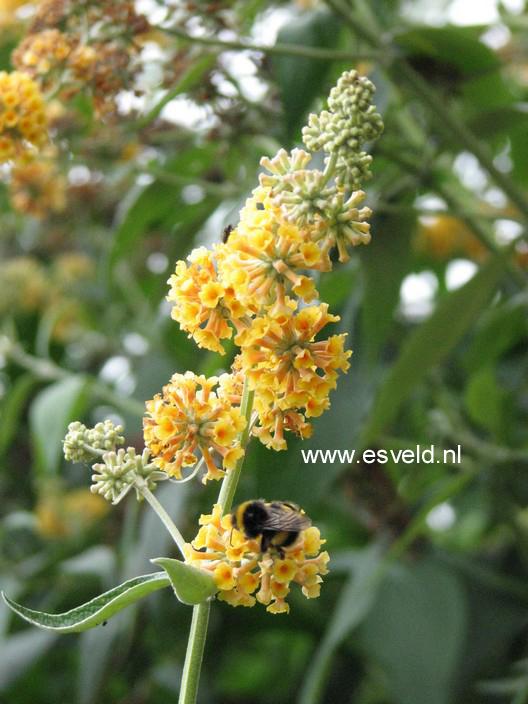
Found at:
[191, 584]
[96, 611]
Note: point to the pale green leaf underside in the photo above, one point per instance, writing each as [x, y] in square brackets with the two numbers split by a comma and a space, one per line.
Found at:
[191, 584]
[97, 610]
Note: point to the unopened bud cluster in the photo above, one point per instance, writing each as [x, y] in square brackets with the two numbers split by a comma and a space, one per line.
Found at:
[342, 130]
[80, 441]
[317, 202]
[121, 469]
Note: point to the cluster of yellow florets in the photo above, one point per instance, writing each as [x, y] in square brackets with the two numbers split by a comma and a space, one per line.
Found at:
[290, 371]
[36, 187]
[41, 53]
[202, 304]
[263, 255]
[187, 416]
[23, 123]
[28, 286]
[94, 49]
[245, 286]
[240, 569]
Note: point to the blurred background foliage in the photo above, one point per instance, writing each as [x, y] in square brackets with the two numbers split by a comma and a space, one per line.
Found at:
[427, 597]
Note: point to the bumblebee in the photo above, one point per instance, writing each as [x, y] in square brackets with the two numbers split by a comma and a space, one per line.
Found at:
[277, 522]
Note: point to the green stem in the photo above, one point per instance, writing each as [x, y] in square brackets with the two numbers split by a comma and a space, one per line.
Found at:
[194, 655]
[141, 486]
[229, 485]
[330, 168]
[94, 450]
[200, 618]
[48, 370]
[276, 49]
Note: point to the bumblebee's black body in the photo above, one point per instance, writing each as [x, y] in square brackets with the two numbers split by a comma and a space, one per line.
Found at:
[278, 522]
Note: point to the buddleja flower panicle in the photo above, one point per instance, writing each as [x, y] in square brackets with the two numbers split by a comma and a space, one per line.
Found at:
[240, 569]
[264, 254]
[23, 122]
[292, 373]
[189, 416]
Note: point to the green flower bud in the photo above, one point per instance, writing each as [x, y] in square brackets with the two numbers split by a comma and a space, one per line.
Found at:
[105, 436]
[74, 443]
[343, 130]
[120, 470]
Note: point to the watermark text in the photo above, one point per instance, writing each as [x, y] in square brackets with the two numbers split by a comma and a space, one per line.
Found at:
[422, 454]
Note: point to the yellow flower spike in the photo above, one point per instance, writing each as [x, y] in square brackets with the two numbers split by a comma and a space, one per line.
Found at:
[23, 126]
[187, 416]
[202, 304]
[241, 569]
[263, 254]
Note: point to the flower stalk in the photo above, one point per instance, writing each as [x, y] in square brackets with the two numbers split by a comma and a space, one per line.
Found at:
[200, 617]
[164, 517]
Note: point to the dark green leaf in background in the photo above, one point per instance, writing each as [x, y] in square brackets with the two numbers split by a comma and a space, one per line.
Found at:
[384, 264]
[300, 79]
[51, 412]
[431, 342]
[416, 631]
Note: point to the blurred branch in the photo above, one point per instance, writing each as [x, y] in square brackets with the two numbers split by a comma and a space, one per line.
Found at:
[49, 371]
[452, 487]
[276, 49]
[487, 450]
[222, 190]
[394, 208]
[426, 174]
[365, 26]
